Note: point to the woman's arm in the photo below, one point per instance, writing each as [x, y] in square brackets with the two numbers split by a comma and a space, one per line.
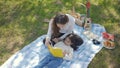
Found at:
[49, 33]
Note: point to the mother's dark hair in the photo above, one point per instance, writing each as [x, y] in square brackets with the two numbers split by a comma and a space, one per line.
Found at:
[58, 19]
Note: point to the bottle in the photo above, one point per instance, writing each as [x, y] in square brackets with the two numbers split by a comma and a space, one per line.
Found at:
[87, 25]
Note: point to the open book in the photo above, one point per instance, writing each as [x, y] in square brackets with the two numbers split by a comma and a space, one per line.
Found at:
[55, 51]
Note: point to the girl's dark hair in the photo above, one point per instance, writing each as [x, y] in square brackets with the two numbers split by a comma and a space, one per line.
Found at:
[75, 40]
[58, 19]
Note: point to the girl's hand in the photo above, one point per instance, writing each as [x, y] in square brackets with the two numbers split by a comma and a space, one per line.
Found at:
[65, 52]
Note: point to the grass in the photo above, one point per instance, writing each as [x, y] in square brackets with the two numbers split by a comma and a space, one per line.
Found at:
[21, 22]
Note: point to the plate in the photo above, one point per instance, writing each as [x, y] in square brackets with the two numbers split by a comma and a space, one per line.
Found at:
[109, 44]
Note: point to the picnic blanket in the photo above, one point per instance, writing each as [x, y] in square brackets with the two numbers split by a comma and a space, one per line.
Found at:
[33, 53]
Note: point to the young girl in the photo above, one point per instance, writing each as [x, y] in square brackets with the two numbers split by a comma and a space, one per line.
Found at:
[68, 45]
[59, 27]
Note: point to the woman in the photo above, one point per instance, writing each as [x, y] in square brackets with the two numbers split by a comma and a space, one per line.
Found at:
[59, 27]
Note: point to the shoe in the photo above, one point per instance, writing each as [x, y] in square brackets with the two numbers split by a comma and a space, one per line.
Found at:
[96, 42]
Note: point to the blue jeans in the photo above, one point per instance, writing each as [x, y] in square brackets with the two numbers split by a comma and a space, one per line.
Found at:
[50, 62]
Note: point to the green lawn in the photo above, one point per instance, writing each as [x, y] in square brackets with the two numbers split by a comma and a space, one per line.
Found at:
[21, 22]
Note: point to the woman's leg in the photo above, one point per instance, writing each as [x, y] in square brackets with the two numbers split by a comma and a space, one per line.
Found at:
[44, 40]
[60, 34]
[52, 42]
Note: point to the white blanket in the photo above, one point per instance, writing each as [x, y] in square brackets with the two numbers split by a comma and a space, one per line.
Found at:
[30, 55]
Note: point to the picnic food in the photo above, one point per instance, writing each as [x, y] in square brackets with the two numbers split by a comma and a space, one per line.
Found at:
[90, 35]
[108, 36]
[109, 44]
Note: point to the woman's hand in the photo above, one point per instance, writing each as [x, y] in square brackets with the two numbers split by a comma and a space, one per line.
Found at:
[56, 40]
[47, 42]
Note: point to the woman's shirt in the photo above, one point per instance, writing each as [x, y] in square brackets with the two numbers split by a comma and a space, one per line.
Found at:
[65, 48]
[67, 29]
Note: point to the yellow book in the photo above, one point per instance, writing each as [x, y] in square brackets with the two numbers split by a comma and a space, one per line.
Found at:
[55, 51]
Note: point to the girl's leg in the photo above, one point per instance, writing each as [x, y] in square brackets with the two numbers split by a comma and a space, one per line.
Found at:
[55, 62]
[44, 62]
